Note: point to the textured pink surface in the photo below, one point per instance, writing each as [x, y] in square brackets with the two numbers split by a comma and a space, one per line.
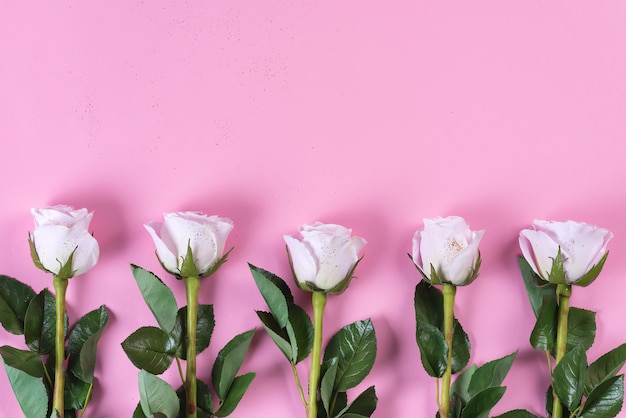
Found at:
[278, 113]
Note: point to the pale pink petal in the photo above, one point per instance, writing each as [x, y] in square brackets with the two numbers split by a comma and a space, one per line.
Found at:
[304, 265]
[583, 246]
[221, 228]
[185, 233]
[336, 257]
[459, 269]
[332, 229]
[416, 253]
[55, 243]
[87, 252]
[165, 254]
[358, 243]
[53, 246]
[540, 250]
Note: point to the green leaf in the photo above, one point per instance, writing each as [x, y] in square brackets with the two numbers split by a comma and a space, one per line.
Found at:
[75, 392]
[605, 367]
[15, 297]
[204, 330]
[300, 332]
[228, 362]
[275, 292]
[456, 406]
[277, 334]
[543, 335]
[606, 400]
[428, 302]
[327, 384]
[138, 413]
[568, 378]
[339, 406]
[355, 348]
[490, 374]
[581, 328]
[535, 294]
[151, 349]
[204, 400]
[481, 403]
[592, 274]
[30, 392]
[83, 341]
[517, 413]
[280, 283]
[461, 383]
[364, 404]
[23, 360]
[236, 391]
[40, 323]
[157, 396]
[433, 349]
[158, 297]
[460, 347]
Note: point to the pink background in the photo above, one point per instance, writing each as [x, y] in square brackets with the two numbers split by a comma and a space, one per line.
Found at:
[372, 114]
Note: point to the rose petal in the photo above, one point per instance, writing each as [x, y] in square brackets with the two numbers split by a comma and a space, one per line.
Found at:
[460, 267]
[166, 256]
[221, 228]
[336, 256]
[185, 233]
[62, 215]
[416, 253]
[87, 253]
[304, 265]
[358, 243]
[540, 250]
[55, 243]
[583, 246]
[332, 229]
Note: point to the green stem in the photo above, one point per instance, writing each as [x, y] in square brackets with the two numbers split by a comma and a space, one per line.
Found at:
[192, 286]
[319, 302]
[88, 398]
[60, 286]
[449, 292]
[563, 292]
[295, 375]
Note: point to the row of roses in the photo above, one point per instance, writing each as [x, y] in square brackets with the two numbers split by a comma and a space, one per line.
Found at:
[446, 250]
[191, 245]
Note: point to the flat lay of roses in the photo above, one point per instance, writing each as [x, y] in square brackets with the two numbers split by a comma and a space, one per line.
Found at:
[58, 371]
[312, 209]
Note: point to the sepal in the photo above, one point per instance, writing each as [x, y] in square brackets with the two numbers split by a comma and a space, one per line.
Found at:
[557, 273]
[188, 266]
[217, 264]
[592, 274]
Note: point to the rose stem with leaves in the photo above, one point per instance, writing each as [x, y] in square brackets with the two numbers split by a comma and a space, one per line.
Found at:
[563, 292]
[449, 292]
[192, 286]
[60, 286]
[319, 303]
